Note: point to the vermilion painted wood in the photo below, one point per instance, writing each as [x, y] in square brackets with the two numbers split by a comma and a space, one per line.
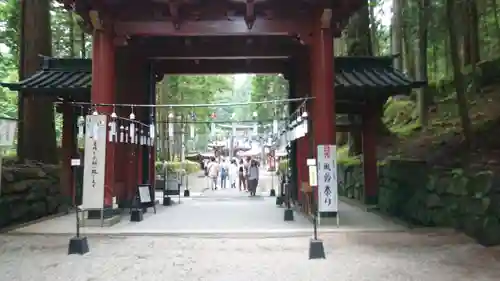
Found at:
[213, 66]
[103, 91]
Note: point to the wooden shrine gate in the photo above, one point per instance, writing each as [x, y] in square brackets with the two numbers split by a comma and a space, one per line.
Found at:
[136, 43]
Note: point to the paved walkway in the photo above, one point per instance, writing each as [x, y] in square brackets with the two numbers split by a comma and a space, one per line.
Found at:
[219, 212]
[350, 257]
[225, 235]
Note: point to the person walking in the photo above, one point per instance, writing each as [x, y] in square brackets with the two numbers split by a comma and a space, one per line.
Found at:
[224, 173]
[213, 172]
[253, 178]
[233, 173]
[242, 176]
[247, 164]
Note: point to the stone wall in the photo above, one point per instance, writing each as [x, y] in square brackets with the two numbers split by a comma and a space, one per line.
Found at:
[29, 192]
[433, 197]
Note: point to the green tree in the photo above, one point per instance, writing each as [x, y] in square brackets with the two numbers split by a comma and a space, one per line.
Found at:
[265, 88]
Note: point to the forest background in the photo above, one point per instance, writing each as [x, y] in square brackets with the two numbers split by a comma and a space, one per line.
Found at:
[453, 45]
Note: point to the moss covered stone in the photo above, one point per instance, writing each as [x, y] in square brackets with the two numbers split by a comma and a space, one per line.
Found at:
[434, 197]
[29, 192]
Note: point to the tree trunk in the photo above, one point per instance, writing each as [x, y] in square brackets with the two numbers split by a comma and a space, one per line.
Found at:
[396, 33]
[38, 137]
[373, 27]
[494, 7]
[359, 42]
[83, 53]
[421, 61]
[473, 46]
[471, 36]
[71, 27]
[458, 76]
[20, 99]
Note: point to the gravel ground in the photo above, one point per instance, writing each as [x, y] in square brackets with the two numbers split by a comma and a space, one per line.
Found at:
[350, 256]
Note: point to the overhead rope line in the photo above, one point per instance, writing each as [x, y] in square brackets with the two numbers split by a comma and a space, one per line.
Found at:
[186, 105]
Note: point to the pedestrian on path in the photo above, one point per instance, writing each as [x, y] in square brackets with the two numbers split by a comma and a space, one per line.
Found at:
[233, 173]
[224, 173]
[253, 178]
[213, 172]
[242, 175]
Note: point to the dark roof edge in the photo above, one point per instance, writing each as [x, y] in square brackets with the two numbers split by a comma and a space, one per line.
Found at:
[66, 64]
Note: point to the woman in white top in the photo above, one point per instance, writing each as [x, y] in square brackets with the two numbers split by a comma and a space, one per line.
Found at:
[233, 173]
[253, 178]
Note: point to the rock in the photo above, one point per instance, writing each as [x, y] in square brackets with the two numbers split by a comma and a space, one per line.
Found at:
[29, 192]
[480, 184]
[8, 175]
[489, 234]
[37, 210]
[472, 224]
[433, 201]
[53, 203]
[17, 187]
[477, 206]
[31, 173]
[458, 185]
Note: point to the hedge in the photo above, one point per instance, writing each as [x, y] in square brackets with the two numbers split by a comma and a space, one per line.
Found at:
[188, 166]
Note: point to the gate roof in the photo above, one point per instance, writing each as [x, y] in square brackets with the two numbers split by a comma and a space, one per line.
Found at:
[357, 79]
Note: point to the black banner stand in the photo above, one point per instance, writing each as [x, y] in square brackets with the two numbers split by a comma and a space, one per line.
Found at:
[316, 248]
[187, 193]
[281, 198]
[167, 201]
[78, 244]
[288, 210]
[272, 192]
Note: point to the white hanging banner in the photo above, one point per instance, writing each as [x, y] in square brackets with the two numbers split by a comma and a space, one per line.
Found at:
[275, 127]
[112, 136]
[327, 179]
[81, 127]
[122, 139]
[94, 162]
[191, 131]
[152, 131]
[170, 130]
[132, 132]
[212, 130]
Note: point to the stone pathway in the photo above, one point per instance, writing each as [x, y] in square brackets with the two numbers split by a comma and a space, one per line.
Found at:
[227, 235]
[226, 212]
[351, 256]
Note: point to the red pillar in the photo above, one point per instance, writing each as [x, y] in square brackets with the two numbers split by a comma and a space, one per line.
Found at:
[303, 144]
[324, 129]
[68, 151]
[152, 161]
[370, 156]
[103, 91]
[122, 91]
[322, 70]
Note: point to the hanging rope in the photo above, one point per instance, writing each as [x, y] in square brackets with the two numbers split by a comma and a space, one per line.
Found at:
[184, 105]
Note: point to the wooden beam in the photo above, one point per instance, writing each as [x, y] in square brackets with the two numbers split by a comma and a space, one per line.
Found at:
[218, 46]
[206, 66]
[235, 26]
